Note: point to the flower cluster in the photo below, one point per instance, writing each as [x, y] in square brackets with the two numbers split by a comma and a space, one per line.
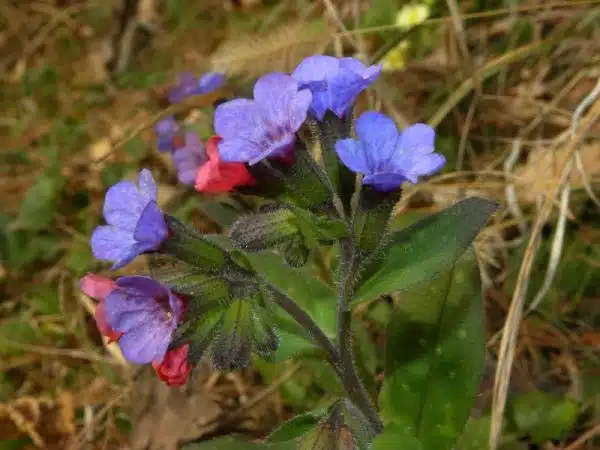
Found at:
[141, 315]
[210, 304]
[197, 165]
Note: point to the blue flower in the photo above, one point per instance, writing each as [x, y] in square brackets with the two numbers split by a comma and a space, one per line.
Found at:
[334, 82]
[135, 223]
[146, 313]
[386, 157]
[189, 85]
[266, 126]
[166, 131]
[189, 158]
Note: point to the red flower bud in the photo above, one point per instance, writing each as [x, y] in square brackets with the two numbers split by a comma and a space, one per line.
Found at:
[216, 176]
[98, 288]
[174, 369]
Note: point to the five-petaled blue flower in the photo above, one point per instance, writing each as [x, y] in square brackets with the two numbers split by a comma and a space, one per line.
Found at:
[166, 131]
[386, 157]
[334, 82]
[264, 127]
[189, 158]
[189, 85]
[146, 313]
[135, 223]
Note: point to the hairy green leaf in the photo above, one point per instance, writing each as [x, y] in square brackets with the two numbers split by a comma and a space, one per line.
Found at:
[434, 356]
[422, 250]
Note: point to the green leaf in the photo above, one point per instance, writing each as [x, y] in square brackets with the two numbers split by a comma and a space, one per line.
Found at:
[39, 205]
[15, 331]
[434, 356]
[544, 416]
[422, 250]
[16, 444]
[233, 443]
[298, 426]
[396, 437]
[476, 434]
[46, 300]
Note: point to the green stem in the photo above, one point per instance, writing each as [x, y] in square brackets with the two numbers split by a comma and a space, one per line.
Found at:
[306, 322]
[350, 379]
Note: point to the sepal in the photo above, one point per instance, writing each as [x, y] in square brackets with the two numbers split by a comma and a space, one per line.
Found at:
[372, 218]
[327, 132]
[189, 246]
[263, 230]
[227, 321]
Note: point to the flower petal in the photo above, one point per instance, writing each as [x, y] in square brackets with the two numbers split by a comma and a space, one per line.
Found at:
[151, 228]
[418, 139]
[425, 165]
[238, 118]
[112, 244]
[384, 181]
[352, 154]
[380, 137]
[143, 345]
[142, 285]
[316, 68]
[278, 95]
[123, 205]
[96, 286]
[147, 185]
[239, 149]
[367, 73]
[211, 81]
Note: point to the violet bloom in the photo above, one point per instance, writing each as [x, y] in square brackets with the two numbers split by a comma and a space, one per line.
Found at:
[387, 157]
[166, 131]
[189, 85]
[135, 223]
[147, 313]
[189, 158]
[266, 126]
[334, 82]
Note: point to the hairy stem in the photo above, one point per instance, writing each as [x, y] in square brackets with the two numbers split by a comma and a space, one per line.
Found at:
[306, 322]
[350, 379]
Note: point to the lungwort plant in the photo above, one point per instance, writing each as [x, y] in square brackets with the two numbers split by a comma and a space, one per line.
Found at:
[312, 177]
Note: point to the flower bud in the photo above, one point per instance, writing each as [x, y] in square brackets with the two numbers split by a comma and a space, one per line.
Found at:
[191, 247]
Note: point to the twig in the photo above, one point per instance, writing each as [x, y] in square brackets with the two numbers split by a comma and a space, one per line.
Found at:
[510, 192]
[589, 434]
[511, 327]
[479, 15]
[558, 241]
[340, 24]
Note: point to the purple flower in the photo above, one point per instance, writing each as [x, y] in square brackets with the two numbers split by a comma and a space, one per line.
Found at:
[334, 82]
[386, 157]
[189, 85]
[147, 313]
[166, 131]
[135, 223]
[256, 129]
[189, 158]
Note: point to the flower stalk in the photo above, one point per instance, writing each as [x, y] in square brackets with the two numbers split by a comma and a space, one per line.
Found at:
[349, 260]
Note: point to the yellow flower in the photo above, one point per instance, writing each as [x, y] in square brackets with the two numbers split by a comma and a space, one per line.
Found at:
[411, 15]
[396, 57]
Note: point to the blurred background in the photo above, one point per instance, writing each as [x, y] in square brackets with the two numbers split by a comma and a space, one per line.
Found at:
[511, 87]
